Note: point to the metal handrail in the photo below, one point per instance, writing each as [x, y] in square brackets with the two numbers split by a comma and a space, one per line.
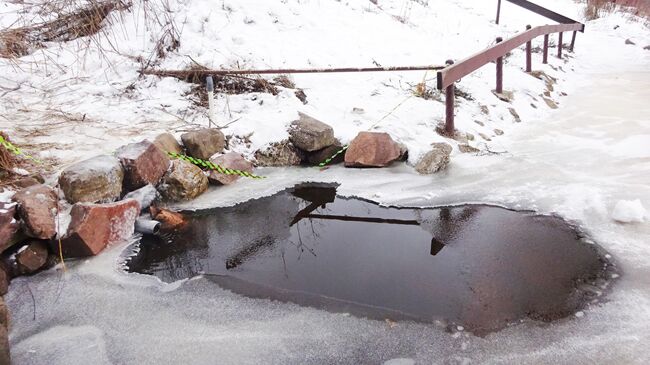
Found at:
[546, 13]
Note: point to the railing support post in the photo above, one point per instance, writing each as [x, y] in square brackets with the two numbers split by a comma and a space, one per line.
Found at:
[559, 46]
[545, 57]
[449, 106]
[498, 11]
[573, 40]
[529, 51]
[499, 88]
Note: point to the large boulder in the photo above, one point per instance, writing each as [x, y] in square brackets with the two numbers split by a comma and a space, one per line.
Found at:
[372, 149]
[8, 225]
[31, 257]
[310, 134]
[316, 157]
[183, 181]
[167, 143]
[37, 207]
[279, 154]
[231, 160]
[4, 337]
[143, 164]
[204, 143]
[98, 179]
[95, 226]
[434, 160]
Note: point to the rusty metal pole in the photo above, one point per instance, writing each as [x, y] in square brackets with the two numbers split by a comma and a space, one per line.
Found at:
[573, 40]
[498, 11]
[545, 57]
[449, 106]
[529, 51]
[499, 88]
[559, 46]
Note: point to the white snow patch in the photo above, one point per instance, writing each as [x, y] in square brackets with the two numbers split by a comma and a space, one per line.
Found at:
[629, 211]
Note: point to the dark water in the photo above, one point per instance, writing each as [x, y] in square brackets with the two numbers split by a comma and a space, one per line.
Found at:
[479, 266]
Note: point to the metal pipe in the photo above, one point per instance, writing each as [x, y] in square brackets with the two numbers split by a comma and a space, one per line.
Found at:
[545, 57]
[499, 88]
[573, 40]
[147, 226]
[498, 11]
[559, 46]
[529, 50]
[449, 106]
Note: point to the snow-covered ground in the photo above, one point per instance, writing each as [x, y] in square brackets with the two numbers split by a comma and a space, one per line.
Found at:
[578, 161]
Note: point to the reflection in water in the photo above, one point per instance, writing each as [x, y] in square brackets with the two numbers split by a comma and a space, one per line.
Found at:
[476, 265]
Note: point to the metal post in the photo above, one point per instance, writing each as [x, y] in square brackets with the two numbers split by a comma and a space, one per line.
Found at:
[498, 11]
[545, 57]
[499, 88]
[559, 46]
[529, 50]
[573, 40]
[449, 106]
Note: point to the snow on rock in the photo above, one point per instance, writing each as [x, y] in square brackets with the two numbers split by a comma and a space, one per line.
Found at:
[629, 211]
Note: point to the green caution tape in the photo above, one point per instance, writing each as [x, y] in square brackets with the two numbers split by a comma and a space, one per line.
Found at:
[212, 166]
[322, 164]
[15, 150]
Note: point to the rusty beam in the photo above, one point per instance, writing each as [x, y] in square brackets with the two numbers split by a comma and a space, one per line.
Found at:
[529, 53]
[498, 11]
[573, 40]
[559, 46]
[449, 106]
[208, 72]
[460, 69]
[499, 88]
[545, 54]
[546, 13]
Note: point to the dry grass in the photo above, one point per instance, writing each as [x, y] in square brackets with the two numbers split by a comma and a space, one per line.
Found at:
[597, 8]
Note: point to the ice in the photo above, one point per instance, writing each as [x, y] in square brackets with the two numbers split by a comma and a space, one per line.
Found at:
[629, 211]
[6, 195]
[145, 195]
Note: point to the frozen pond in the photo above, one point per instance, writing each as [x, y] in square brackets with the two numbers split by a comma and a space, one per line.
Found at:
[579, 162]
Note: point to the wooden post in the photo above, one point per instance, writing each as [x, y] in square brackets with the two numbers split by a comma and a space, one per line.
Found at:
[545, 57]
[498, 11]
[573, 40]
[449, 106]
[559, 46]
[499, 88]
[529, 51]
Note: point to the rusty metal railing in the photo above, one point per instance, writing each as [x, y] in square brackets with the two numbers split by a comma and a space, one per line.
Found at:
[550, 14]
[455, 71]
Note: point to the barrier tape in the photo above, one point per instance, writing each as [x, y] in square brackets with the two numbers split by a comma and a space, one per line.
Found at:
[328, 160]
[212, 166]
[15, 150]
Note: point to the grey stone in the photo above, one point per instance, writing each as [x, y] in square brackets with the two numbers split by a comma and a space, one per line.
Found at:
[98, 179]
[434, 160]
[278, 154]
[183, 181]
[310, 134]
[204, 143]
[167, 143]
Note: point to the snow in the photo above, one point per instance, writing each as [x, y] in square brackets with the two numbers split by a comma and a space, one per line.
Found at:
[576, 162]
[6, 195]
[629, 211]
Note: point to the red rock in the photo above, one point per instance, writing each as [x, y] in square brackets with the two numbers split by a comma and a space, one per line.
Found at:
[37, 207]
[144, 163]
[31, 257]
[170, 221]
[95, 226]
[4, 345]
[167, 143]
[8, 225]
[5, 278]
[231, 160]
[372, 149]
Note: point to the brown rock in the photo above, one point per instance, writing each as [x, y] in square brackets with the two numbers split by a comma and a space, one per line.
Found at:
[630, 42]
[465, 148]
[282, 153]
[8, 225]
[170, 221]
[5, 278]
[167, 143]
[98, 179]
[310, 134]
[183, 181]
[434, 160]
[27, 181]
[37, 207]
[231, 160]
[4, 346]
[4, 316]
[321, 155]
[372, 149]
[94, 226]
[143, 164]
[204, 143]
[31, 257]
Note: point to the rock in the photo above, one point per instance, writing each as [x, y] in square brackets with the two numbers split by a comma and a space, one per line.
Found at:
[505, 95]
[143, 164]
[498, 132]
[485, 137]
[8, 225]
[170, 221]
[551, 104]
[629, 41]
[5, 278]
[95, 226]
[31, 257]
[4, 315]
[465, 148]
[403, 152]
[4, 345]
[27, 181]
[515, 115]
[278, 154]
[434, 160]
[146, 195]
[310, 134]
[204, 143]
[321, 155]
[37, 207]
[231, 160]
[167, 143]
[98, 179]
[647, 48]
[183, 181]
[372, 149]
